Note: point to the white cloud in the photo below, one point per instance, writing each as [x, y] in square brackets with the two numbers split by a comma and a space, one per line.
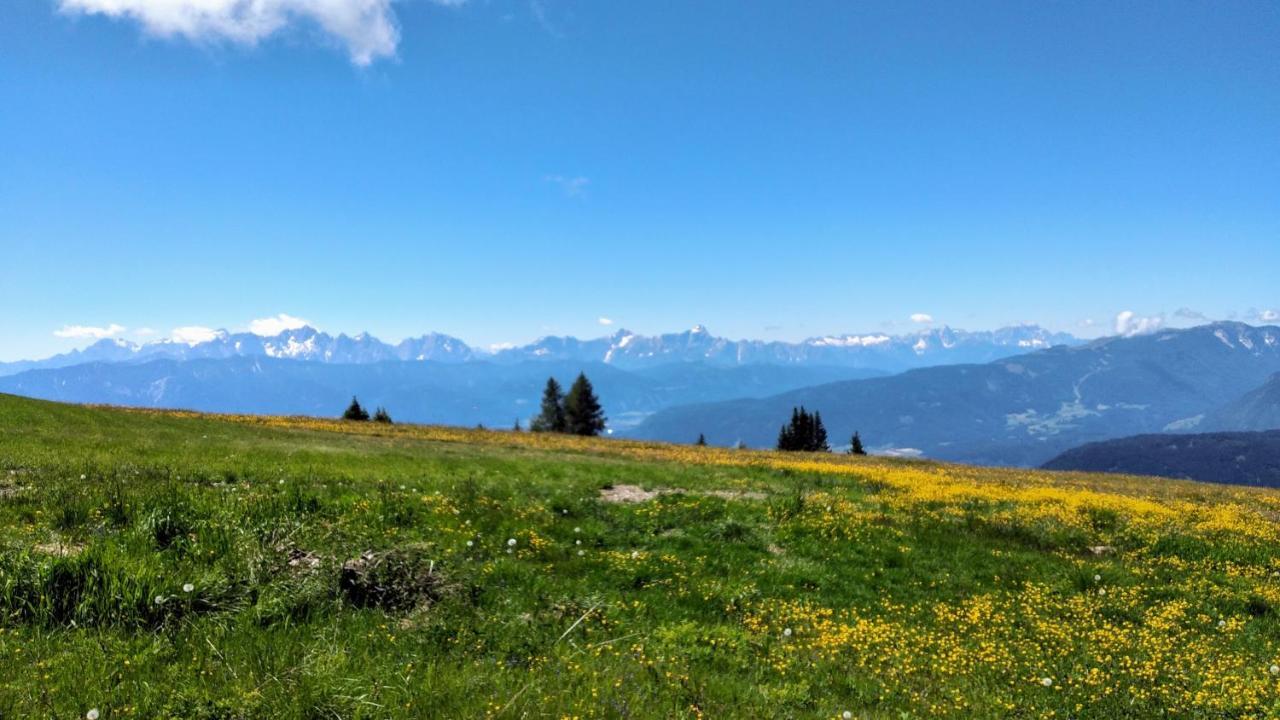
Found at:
[572, 186]
[1129, 324]
[80, 332]
[1268, 315]
[604, 320]
[275, 325]
[367, 29]
[193, 334]
[922, 318]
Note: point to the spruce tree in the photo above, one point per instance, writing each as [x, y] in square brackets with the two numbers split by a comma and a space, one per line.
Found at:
[805, 433]
[354, 411]
[855, 445]
[382, 416]
[702, 440]
[582, 411]
[818, 436]
[516, 427]
[551, 418]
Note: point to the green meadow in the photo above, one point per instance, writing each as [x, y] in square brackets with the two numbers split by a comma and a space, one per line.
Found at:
[157, 565]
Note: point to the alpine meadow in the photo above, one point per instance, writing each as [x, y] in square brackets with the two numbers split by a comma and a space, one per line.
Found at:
[172, 564]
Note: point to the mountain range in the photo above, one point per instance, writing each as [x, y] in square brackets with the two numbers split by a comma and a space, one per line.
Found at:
[1020, 410]
[623, 349]
[463, 393]
[1017, 396]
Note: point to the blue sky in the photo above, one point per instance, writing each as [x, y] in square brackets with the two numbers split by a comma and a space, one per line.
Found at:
[504, 169]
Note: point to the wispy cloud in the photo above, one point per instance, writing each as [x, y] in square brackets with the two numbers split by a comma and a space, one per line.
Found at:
[1267, 315]
[193, 334]
[539, 10]
[922, 318]
[367, 29]
[572, 186]
[81, 332]
[1185, 313]
[604, 320]
[1129, 323]
[275, 325]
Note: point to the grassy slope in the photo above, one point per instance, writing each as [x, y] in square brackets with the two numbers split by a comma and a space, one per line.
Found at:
[908, 588]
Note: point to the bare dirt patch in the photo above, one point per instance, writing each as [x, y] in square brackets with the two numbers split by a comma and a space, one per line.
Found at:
[59, 549]
[630, 494]
[637, 494]
[737, 494]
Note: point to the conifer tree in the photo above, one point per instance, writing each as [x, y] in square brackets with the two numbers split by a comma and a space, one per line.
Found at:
[516, 427]
[805, 433]
[582, 411]
[702, 440]
[855, 445]
[382, 416]
[355, 412]
[551, 418]
[818, 435]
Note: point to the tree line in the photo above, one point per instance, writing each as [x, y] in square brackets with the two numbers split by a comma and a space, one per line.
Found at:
[577, 412]
[804, 433]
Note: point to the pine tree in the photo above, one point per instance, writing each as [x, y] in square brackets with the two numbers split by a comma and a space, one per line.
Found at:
[382, 416]
[551, 418]
[355, 412]
[516, 427]
[582, 411]
[818, 436]
[855, 445]
[805, 433]
[702, 440]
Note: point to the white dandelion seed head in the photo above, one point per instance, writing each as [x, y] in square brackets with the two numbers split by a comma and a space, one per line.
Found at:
[1097, 578]
[188, 587]
[82, 476]
[635, 554]
[92, 714]
[577, 529]
[1222, 623]
[508, 551]
[1047, 682]
[581, 553]
[470, 543]
[511, 542]
[1275, 669]
[1102, 591]
[846, 715]
[159, 599]
[577, 542]
[786, 632]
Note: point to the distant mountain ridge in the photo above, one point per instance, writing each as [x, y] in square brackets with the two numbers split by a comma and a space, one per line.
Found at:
[623, 349]
[1256, 410]
[459, 393]
[1020, 410]
[1238, 458]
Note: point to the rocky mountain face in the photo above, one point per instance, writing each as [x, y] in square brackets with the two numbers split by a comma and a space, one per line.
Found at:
[623, 349]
